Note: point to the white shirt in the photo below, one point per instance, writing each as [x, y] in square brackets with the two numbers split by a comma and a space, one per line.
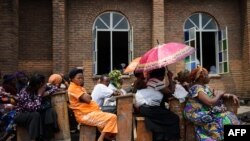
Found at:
[100, 92]
[148, 96]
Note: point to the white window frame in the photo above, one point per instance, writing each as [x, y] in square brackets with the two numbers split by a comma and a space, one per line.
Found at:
[197, 26]
[109, 27]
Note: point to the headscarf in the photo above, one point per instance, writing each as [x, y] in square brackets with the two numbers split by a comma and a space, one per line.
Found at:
[198, 74]
[55, 79]
[20, 74]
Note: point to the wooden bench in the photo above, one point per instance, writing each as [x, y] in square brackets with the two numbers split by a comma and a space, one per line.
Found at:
[124, 117]
[177, 107]
[59, 103]
[22, 134]
[87, 133]
[143, 134]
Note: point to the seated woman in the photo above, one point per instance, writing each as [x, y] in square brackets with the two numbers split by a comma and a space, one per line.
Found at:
[29, 111]
[205, 109]
[86, 110]
[163, 123]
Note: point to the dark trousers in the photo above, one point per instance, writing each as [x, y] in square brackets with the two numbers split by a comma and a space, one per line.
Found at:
[32, 122]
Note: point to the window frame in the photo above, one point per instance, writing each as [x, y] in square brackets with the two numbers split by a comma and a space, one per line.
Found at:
[194, 24]
[109, 26]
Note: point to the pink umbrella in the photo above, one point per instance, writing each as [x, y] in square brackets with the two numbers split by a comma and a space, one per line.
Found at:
[163, 55]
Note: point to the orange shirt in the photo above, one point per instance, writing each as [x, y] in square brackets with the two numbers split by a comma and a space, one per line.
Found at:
[79, 108]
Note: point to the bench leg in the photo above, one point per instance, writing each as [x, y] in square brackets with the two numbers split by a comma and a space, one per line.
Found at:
[143, 134]
[87, 133]
[22, 134]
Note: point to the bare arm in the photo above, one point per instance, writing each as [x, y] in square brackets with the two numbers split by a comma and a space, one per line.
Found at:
[208, 100]
[86, 98]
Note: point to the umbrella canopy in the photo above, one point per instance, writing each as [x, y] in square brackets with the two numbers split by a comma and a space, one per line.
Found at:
[131, 67]
[163, 55]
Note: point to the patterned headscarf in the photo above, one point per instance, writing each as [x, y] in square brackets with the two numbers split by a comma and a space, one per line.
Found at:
[198, 74]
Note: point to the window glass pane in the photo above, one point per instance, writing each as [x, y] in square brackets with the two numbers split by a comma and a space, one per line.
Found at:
[225, 67]
[224, 44]
[116, 18]
[192, 43]
[220, 67]
[186, 34]
[211, 25]
[100, 24]
[187, 59]
[106, 18]
[220, 56]
[224, 55]
[193, 65]
[188, 66]
[192, 57]
[220, 46]
[188, 24]
[122, 25]
[205, 19]
[219, 35]
[195, 19]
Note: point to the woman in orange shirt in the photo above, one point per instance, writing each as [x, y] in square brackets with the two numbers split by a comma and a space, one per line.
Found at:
[87, 111]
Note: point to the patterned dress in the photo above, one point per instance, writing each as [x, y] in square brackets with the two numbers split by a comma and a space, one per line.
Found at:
[208, 121]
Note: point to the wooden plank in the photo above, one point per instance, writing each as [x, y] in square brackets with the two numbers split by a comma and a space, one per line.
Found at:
[124, 116]
[87, 133]
[22, 134]
[143, 134]
[60, 105]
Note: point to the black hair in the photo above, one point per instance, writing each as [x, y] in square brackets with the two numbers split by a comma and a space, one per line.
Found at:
[73, 72]
[157, 73]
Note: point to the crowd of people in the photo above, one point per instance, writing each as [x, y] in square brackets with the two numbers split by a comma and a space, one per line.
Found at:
[25, 101]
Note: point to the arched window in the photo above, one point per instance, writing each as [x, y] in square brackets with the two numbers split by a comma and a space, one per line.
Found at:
[201, 31]
[112, 45]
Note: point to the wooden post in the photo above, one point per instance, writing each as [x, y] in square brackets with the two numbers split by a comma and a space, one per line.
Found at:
[22, 134]
[60, 105]
[124, 116]
[177, 107]
[143, 134]
[87, 133]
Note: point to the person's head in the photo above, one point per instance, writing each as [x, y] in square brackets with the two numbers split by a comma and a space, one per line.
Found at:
[21, 77]
[183, 76]
[199, 75]
[36, 81]
[158, 73]
[76, 76]
[104, 79]
[55, 79]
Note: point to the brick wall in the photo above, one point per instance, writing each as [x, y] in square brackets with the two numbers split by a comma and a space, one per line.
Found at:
[35, 36]
[36, 27]
[226, 13]
[8, 36]
[246, 46]
[81, 17]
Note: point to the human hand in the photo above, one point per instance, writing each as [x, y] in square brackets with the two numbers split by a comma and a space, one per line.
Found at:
[235, 98]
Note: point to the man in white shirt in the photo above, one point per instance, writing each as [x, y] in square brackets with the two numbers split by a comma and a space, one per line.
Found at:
[101, 90]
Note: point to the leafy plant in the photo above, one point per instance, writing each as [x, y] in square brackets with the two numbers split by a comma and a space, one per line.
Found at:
[115, 78]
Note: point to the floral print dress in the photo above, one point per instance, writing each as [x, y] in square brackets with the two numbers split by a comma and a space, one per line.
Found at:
[208, 121]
